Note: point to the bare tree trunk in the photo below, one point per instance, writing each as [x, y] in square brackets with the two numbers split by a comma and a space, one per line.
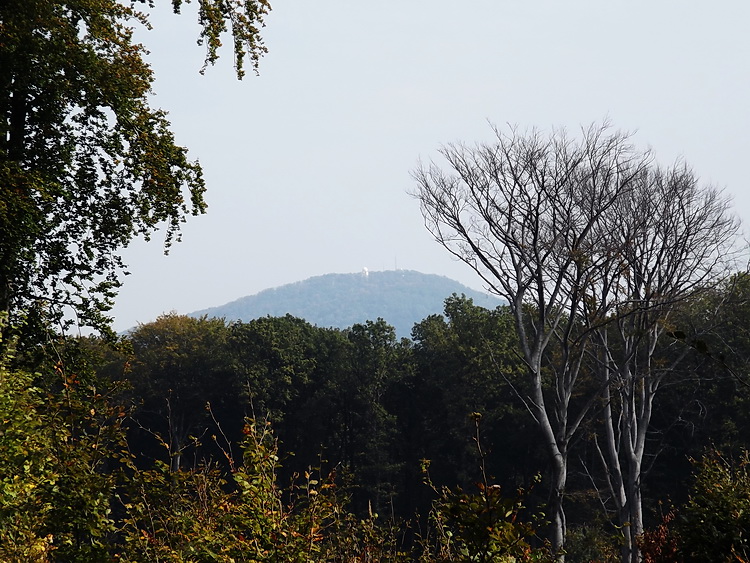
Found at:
[559, 464]
[177, 437]
[557, 507]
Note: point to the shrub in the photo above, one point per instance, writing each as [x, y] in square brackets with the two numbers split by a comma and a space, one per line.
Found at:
[715, 523]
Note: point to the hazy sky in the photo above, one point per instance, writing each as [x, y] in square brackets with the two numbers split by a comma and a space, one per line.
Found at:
[308, 164]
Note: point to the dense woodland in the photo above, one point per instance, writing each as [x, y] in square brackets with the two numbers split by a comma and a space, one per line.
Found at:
[601, 415]
[194, 439]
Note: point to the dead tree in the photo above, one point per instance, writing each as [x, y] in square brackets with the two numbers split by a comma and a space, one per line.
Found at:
[527, 213]
[671, 240]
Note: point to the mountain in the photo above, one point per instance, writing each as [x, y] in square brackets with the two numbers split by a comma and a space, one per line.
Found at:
[401, 297]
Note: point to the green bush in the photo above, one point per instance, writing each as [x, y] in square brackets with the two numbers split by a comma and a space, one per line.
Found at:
[202, 515]
[715, 523]
[59, 469]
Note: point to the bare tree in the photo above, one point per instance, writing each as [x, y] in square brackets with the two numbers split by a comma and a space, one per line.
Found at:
[671, 239]
[593, 246]
[528, 213]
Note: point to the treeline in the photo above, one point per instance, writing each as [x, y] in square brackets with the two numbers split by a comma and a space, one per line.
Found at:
[201, 440]
[358, 400]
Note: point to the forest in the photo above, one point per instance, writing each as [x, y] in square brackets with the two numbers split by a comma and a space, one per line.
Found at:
[198, 440]
[600, 415]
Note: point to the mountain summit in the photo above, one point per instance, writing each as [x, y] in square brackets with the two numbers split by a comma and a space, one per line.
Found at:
[401, 297]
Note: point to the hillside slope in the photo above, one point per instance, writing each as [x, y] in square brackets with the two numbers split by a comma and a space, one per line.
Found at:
[401, 297]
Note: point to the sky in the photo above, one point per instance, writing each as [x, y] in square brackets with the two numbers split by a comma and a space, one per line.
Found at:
[308, 164]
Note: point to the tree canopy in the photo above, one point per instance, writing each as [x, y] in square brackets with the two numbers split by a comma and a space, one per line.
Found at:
[86, 164]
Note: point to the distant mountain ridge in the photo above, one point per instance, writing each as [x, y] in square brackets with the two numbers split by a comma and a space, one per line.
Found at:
[401, 297]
